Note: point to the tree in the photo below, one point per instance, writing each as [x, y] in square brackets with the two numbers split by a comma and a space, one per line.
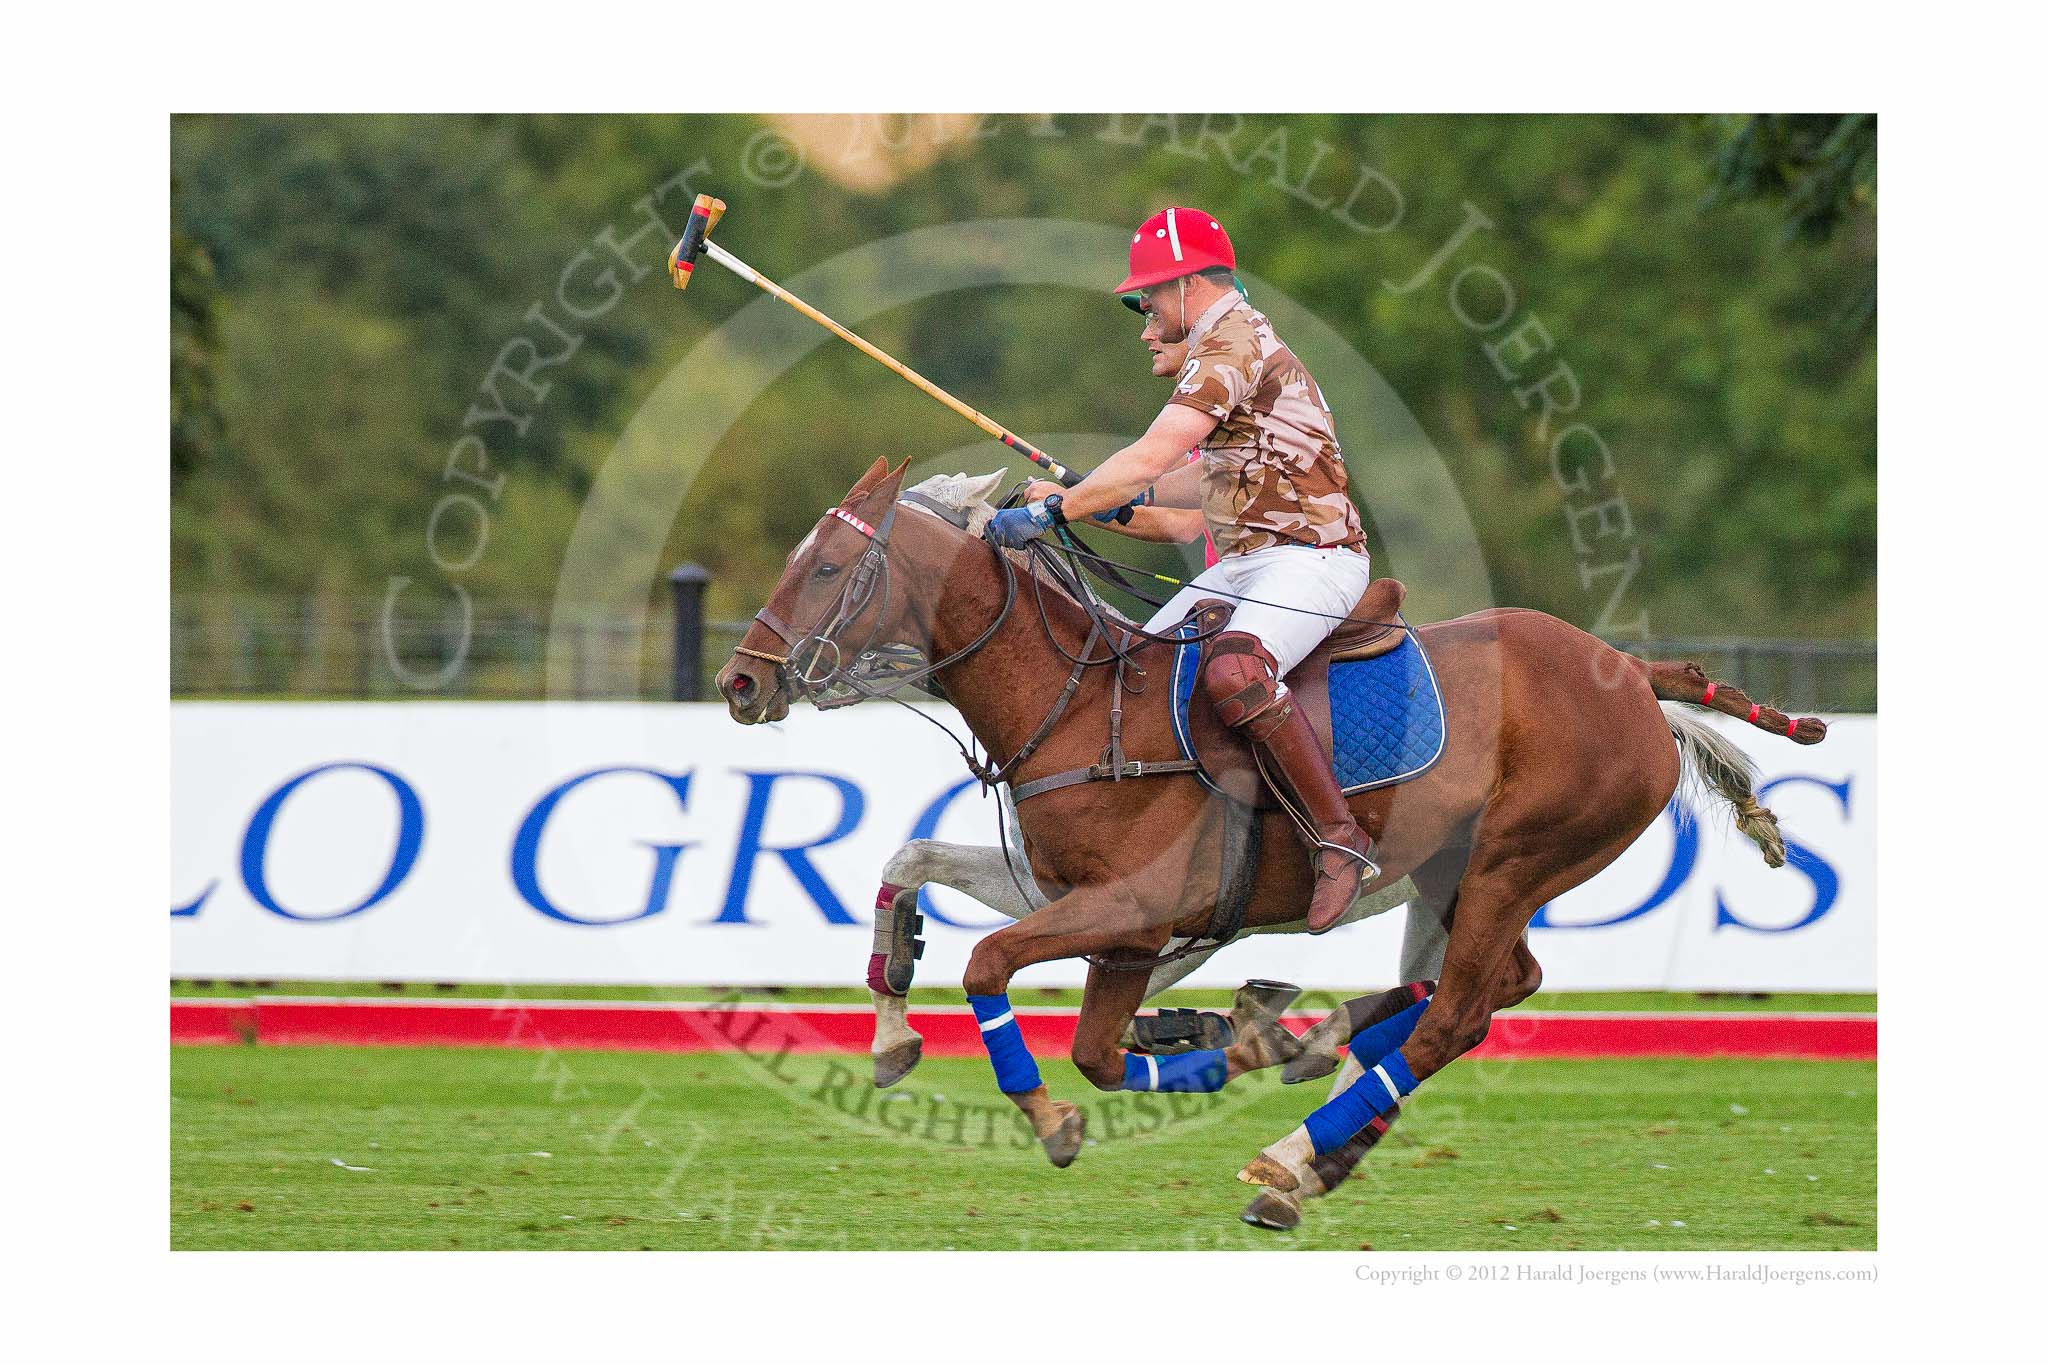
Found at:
[1819, 170]
[196, 428]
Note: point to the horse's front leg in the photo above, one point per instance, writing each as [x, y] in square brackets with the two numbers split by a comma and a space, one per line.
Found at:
[1093, 919]
[1111, 1000]
[976, 870]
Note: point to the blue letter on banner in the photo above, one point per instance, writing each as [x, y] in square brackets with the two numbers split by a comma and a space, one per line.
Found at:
[1826, 885]
[1685, 851]
[760, 786]
[526, 849]
[412, 826]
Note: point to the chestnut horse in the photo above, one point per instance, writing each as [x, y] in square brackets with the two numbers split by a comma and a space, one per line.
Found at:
[1558, 755]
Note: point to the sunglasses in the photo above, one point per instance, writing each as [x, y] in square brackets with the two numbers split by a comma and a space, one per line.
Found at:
[1136, 301]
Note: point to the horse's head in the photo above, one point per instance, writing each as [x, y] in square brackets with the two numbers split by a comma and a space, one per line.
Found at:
[835, 597]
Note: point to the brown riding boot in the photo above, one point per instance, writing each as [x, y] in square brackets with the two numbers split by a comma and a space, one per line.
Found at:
[1344, 861]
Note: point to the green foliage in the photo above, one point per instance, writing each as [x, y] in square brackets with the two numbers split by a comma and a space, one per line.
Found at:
[1820, 170]
[371, 270]
[195, 345]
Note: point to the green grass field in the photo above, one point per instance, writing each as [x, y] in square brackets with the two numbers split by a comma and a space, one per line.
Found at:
[490, 1148]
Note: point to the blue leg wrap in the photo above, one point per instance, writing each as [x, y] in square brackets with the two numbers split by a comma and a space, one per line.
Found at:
[1016, 1072]
[1182, 1073]
[1377, 1092]
[1387, 1034]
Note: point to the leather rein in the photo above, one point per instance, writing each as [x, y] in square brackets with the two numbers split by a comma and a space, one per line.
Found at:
[806, 676]
[871, 572]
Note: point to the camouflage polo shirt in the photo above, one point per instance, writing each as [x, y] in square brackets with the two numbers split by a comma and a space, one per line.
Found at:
[1271, 470]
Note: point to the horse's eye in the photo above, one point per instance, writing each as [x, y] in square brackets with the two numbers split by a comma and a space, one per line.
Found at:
[825, 571]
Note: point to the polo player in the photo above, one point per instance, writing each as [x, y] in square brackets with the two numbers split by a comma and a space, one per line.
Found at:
[1159, 524]
[1272, 488]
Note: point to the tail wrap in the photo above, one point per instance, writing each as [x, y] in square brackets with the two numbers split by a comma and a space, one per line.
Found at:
[1685, 682]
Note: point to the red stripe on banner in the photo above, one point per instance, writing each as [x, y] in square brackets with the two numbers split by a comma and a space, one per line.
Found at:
[772, 1029]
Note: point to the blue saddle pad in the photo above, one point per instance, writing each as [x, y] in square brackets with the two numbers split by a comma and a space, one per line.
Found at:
[1386, 714]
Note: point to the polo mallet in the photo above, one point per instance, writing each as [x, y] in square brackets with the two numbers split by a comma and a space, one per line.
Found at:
[696, 242]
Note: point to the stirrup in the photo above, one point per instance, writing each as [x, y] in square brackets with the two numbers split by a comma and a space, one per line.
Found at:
[1372, 869]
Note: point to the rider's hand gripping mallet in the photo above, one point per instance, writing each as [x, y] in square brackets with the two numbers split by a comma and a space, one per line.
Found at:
[696, 242]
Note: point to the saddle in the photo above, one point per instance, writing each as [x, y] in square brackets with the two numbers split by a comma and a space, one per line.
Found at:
[1373, 630]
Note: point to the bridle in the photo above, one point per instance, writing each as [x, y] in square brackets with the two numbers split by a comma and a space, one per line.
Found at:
[801, 665]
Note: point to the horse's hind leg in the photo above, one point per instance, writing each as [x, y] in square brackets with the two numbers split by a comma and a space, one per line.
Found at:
[1282, 1211]
[1511, 873]
[1423, 943]
[976, 870]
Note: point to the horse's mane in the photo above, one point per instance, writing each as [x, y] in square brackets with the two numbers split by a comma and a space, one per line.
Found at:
[967, 495]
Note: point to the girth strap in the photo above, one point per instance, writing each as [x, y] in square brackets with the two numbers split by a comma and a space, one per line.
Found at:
[1236, 877]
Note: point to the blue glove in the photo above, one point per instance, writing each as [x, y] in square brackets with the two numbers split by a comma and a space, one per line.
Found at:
[1123, 514]
[1013, 528]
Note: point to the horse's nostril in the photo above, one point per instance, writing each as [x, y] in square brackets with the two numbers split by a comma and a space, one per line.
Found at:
[742, 684]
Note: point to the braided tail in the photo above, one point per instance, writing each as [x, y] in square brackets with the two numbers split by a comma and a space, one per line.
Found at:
[1713, 760]
[1685, 682]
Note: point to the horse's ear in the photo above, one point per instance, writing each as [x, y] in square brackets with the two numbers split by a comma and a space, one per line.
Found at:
[894, 482]
[984, 489]
[877, 471]
[882, 491]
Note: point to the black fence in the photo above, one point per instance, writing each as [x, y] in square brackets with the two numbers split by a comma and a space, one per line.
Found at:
[320, 648]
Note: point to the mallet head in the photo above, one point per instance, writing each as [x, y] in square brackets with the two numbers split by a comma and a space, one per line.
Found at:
[704, 216]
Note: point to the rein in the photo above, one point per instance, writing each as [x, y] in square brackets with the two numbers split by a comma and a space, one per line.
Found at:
[871, 572]
[806, 653]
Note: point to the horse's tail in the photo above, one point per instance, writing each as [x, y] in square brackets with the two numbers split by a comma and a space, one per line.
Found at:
[1711, 759]
[1685, 682]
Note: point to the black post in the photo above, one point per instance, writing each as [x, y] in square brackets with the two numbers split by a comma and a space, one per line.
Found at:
[687, 582]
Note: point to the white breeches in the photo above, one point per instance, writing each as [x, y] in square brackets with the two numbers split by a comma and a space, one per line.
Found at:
[1302, 595]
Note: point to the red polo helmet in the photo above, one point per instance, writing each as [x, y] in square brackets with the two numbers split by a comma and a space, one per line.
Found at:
[1175, 242]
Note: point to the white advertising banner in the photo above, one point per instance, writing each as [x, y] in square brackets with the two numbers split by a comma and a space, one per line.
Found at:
[663, 844]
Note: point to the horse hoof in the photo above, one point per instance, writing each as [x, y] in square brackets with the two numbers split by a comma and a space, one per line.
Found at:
[1264, 1170]
[1308, 1066]
[1274, 1211]
[1260, 1001]
[1063, 1143]
[897, 1062]
[1264, 1045]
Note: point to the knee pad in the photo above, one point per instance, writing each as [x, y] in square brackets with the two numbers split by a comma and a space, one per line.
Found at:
[1242, 681]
